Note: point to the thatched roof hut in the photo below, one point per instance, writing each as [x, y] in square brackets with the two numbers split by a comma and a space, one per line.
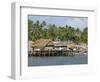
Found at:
[59, 44]
[41, 43]
[72, 46]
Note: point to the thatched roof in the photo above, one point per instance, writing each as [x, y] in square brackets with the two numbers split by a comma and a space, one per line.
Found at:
[71, 45]
[41, 43]
[59, 44]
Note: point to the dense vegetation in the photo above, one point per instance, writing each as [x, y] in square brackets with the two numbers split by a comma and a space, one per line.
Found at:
[37, 30]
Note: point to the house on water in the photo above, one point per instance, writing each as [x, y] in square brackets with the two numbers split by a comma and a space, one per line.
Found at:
[43, 44]
[60, 45]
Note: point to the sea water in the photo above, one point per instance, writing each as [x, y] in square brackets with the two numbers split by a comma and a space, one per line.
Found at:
[57, 60]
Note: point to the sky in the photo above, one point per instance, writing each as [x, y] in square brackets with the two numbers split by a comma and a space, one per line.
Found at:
[80, 22]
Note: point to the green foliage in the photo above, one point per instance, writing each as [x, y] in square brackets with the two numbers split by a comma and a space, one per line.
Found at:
[37, 30]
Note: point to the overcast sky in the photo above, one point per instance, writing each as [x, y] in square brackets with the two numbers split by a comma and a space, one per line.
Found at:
[80, 22]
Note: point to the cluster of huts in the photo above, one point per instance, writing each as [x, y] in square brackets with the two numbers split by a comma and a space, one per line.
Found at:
[48, 46]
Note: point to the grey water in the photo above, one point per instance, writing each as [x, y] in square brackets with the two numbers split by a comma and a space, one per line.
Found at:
[57, 60]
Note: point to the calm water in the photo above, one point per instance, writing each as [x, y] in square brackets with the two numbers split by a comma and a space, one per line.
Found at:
[60, 60]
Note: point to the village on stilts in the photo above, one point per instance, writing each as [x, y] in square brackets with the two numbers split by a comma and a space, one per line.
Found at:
[47, 47]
